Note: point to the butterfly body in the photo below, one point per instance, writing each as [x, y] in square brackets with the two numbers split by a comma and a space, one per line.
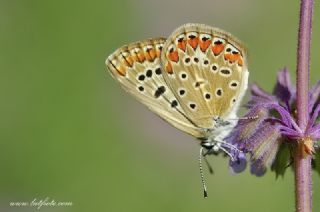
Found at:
[194, 79]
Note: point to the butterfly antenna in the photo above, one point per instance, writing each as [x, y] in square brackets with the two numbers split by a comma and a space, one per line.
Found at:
[205, 193]
[246, 118]
[249, 117]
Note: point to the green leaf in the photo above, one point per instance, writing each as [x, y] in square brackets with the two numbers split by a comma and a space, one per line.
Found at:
[282, 161]
[316, 162]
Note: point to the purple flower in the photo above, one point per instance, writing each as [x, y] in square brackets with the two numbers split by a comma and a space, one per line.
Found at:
[270, 137]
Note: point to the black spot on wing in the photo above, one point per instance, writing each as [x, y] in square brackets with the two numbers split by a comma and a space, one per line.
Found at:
[159, 91]
[174, 103]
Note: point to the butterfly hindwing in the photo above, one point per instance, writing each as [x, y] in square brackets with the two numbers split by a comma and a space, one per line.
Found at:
[138, 68]
[206, 70]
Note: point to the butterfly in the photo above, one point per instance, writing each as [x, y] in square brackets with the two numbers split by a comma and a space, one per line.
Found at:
[194, 80]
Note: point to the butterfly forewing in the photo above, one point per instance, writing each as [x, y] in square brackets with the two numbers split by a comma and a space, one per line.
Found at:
[138, 69]
[206, 70]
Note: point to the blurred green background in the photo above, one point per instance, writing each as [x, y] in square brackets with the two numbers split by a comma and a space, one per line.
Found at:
[68, 132]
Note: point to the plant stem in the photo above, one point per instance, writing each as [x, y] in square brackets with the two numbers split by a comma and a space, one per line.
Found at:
[303, 181]
[302, 162]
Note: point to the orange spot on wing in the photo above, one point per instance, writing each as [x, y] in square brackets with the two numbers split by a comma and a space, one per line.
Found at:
[134, 57]
[204, 45]
[121, 70]
[182, 45]
[150, 54]
[158, 53]
[141, 57]
[169, 68]
[233, 58]
[129, 61]
[240, 61]
[217, 49]
[193, 42]
[230, 57]
[173, 56]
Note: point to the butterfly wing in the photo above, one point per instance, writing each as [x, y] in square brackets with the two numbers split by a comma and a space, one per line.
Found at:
[138, 69]
[206, 70]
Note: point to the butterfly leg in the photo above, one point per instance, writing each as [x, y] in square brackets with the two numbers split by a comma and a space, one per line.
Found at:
[213, 147]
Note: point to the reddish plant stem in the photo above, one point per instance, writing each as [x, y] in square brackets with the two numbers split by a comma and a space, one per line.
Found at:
[302, 162]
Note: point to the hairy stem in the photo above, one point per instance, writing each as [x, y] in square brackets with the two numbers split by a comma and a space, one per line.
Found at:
[303, 181]
[302, 161]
